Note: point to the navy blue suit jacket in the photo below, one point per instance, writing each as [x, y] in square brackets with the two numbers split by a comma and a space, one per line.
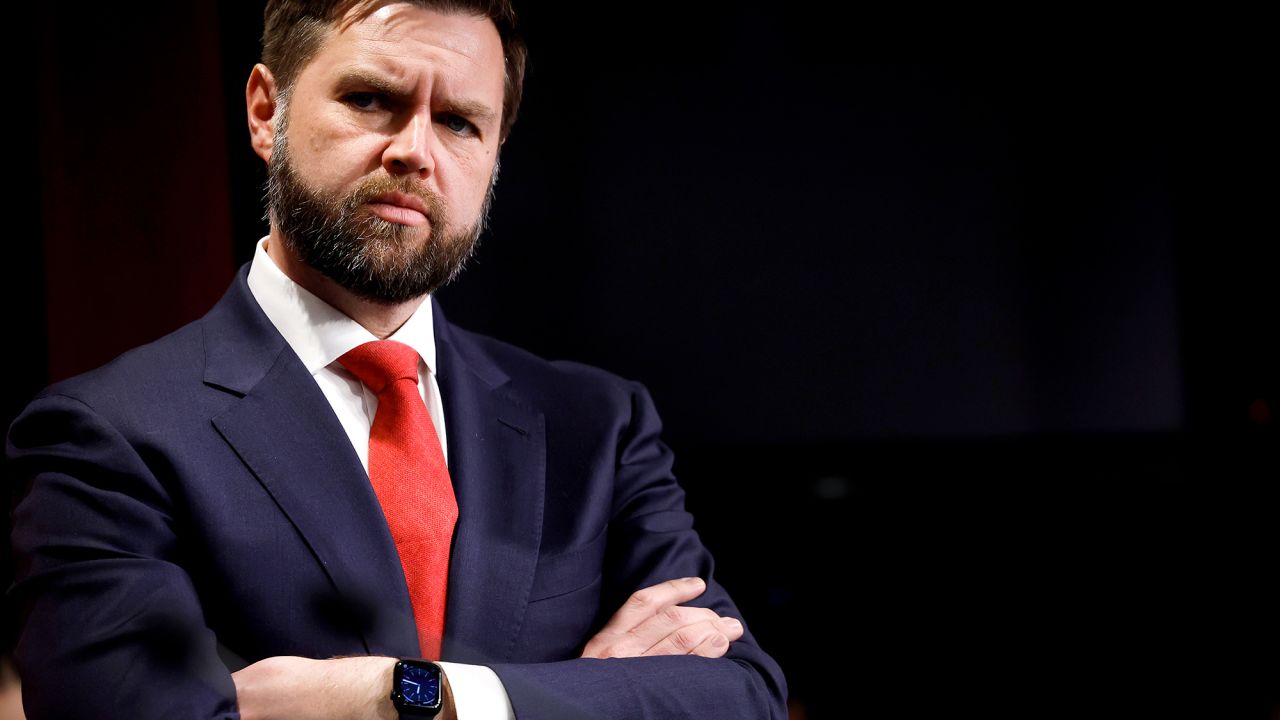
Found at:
[195, 505]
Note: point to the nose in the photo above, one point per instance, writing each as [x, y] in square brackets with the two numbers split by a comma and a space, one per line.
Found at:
[412, 148]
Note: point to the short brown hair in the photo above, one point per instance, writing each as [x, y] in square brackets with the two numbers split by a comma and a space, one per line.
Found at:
[292, 31]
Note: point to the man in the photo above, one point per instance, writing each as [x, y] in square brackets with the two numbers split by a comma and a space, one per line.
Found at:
[322, 482]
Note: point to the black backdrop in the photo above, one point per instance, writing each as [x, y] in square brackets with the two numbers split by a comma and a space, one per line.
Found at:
[964, 338]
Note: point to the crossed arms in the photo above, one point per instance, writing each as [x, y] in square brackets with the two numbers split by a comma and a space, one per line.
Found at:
[106, 599]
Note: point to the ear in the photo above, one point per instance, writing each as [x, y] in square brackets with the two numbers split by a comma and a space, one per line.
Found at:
[260, 102]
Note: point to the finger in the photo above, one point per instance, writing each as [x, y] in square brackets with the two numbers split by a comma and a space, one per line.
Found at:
[668, 621]
[683, 640]
[709, 638]
[634, 641]
[713, 647]
[647, 602]
[642, 605]
[732, 628]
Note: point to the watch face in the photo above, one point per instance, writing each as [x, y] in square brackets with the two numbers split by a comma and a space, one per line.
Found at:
[417, 685]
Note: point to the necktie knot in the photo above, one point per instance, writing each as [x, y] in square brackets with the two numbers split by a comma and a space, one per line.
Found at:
[379, 363]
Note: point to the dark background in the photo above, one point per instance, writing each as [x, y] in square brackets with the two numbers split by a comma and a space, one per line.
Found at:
[964, 337]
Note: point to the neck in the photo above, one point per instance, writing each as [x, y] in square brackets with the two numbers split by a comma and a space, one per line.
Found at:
[379, 319]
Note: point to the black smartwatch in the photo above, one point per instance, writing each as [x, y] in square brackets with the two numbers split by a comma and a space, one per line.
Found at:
[416, 689]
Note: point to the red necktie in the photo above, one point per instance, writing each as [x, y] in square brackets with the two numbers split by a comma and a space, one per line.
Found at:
[410, 478]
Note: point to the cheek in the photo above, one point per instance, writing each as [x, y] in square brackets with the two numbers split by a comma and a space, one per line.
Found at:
[467, 179]
[330, 146]
[336, 159]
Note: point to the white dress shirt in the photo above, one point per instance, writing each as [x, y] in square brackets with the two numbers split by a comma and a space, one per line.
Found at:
[319, 334]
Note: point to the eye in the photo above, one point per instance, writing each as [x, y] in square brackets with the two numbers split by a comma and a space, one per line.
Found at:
[458, 124]
[363, 100]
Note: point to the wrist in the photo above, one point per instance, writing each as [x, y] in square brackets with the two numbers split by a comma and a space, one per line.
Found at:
[447, 709]
[374, 675]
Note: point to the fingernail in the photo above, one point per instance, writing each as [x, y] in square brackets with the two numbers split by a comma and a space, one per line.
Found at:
[732, 624]
[694, 581]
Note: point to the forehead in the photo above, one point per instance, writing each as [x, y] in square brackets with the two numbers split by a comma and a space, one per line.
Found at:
[405, 41]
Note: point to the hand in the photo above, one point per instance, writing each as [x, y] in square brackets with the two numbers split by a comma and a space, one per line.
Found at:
[296, 688]
[651, 622]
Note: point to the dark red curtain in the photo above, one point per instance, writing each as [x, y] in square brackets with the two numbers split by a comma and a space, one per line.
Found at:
[133, 176]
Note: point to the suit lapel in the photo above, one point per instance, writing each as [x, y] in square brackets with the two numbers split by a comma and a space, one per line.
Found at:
[497, 461]
[287, 434]
[284, 430]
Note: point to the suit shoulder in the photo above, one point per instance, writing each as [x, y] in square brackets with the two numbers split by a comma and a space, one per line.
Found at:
[152, 369]
[566, 379]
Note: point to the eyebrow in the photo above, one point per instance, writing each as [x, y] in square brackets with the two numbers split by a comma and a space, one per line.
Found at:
[380, 83]
[472, 109]
[475, 110]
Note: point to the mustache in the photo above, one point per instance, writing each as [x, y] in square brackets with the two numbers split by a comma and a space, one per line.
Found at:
[383, 184]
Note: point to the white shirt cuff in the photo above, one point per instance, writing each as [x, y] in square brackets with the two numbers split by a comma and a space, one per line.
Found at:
[478, 694]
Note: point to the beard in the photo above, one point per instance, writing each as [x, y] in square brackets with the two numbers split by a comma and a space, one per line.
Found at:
[378, 260]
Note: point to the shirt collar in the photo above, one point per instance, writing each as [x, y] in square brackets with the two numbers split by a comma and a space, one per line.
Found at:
[318, 332]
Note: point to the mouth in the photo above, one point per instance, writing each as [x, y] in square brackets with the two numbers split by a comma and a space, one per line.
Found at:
[400, 208]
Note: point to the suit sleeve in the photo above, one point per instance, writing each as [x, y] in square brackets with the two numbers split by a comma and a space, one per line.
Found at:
[651, 539]
[109, 624]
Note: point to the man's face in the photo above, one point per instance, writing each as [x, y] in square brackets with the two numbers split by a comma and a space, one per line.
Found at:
[384, 157]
